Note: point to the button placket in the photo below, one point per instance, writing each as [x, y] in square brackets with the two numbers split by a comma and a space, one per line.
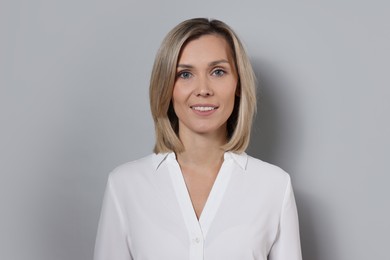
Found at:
[194, 229]
[197, 250]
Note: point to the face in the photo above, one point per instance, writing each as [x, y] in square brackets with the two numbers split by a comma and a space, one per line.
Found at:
[205, 86]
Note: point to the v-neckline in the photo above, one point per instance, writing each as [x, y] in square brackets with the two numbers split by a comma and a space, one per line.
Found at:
[200, 226]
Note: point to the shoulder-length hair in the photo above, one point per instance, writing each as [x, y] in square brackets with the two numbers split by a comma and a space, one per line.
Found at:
[163, 79]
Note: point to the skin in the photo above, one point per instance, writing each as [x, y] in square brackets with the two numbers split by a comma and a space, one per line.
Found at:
[206, 78]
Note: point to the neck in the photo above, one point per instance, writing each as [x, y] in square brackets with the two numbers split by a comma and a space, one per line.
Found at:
[202, 150]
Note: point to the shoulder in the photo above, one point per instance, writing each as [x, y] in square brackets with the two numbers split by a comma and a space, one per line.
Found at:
[139, 168]
[258, 165]
[266, 172]
[268, 184]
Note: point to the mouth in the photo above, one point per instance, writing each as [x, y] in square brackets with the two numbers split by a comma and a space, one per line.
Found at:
[203, 108]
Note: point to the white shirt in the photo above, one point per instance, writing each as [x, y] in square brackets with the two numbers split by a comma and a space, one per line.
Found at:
[147, 213]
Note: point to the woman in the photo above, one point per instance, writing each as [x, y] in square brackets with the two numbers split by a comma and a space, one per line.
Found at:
[199, 196]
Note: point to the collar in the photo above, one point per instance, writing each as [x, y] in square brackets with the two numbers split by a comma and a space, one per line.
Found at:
[159, 158]
[239, 158]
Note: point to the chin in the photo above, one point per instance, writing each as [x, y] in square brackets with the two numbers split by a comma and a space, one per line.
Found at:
[207, 130]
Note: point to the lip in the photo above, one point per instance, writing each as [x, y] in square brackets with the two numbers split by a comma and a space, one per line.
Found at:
[204, 109]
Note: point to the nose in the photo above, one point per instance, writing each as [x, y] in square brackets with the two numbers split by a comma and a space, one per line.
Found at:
[203, 88]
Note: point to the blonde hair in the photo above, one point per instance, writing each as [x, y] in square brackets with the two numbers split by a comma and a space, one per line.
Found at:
[163, 79]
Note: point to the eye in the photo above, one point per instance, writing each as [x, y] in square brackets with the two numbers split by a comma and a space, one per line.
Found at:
[184, 75]
[218, 72]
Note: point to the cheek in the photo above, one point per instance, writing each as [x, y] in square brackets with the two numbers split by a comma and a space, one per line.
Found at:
[179, 93]
[231, 95]
[230, 101]
[174, 94]
[179, 100]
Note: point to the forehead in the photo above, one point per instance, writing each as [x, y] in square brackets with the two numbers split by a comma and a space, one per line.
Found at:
[206, 48]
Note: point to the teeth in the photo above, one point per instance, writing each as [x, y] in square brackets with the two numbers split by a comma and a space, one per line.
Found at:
[203, 108]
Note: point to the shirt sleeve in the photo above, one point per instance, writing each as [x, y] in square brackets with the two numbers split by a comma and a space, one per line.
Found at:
[111, 239]
[287, 244]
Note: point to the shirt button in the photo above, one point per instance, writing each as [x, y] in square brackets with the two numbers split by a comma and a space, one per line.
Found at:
[197, 240]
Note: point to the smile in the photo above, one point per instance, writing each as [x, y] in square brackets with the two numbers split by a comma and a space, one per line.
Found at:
[203, 108]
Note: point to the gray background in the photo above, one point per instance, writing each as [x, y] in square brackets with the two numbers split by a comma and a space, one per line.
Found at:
[74, 104]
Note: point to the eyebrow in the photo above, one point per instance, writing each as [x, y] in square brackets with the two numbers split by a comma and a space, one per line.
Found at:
[211, 64]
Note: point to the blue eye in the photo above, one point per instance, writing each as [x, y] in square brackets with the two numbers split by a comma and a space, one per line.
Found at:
[184, 75]
[218, 72]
